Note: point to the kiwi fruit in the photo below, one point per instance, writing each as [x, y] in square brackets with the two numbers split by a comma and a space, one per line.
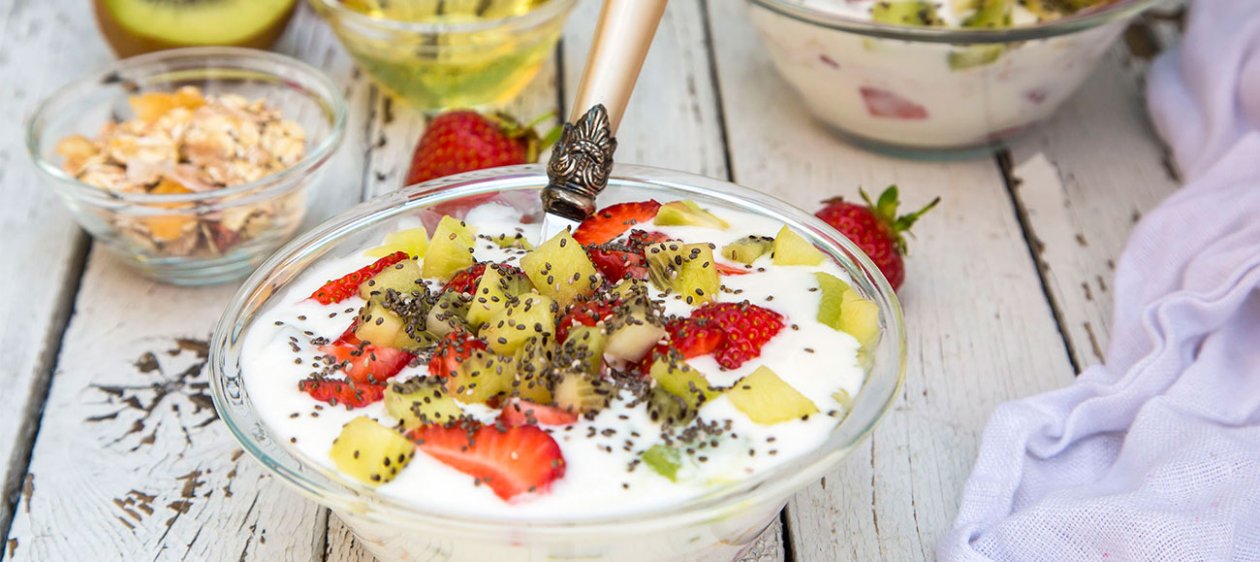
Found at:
[133, 27]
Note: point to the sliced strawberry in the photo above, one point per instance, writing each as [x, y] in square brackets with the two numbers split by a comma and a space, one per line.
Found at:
[639, 239]
[341, 289]
[746, 328]
[466, 280]
[727, 269]
[613, 220]
[451, 351]
[520, 412]
[615, 264]
[511, 461]
[883, 103]
[348, 394]
[694, 337]
[585, 313]
[366, 363]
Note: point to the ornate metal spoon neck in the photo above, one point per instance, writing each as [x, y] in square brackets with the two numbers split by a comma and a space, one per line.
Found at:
[580, 165]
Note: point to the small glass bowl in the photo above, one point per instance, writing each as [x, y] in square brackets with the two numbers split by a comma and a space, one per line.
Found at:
[711, 528]
[456, 62]
[932, 91]
[223, 234]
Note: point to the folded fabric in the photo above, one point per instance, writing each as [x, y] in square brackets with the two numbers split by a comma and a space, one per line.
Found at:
[1154, 455]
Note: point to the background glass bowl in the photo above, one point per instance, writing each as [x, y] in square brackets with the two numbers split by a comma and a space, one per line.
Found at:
[714, 527]
[455, 62]
[271, 207]
[925, 91]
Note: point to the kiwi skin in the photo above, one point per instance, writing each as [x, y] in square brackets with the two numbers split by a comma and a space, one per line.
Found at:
[127, 44]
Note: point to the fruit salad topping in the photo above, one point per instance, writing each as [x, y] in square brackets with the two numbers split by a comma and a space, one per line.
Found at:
[504, 364]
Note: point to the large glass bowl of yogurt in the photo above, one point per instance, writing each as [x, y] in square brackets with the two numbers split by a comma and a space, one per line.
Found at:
[926, 78]
[695, 475]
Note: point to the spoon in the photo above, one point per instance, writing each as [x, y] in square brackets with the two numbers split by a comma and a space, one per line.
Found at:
[583, 157]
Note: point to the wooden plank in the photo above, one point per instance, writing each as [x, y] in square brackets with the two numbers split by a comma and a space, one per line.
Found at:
[980, 329]
[1084, 179]
[130, 462]
[43, 242]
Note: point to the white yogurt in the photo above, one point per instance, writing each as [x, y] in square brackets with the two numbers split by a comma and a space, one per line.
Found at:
[907, 93]
[813, 358]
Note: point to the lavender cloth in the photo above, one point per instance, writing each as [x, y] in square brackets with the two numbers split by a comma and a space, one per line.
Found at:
[1154, 455]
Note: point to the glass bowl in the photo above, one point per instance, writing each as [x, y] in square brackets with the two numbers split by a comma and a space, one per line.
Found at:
[433, 60]
[203, 237]
[713, 527]
[932, 91]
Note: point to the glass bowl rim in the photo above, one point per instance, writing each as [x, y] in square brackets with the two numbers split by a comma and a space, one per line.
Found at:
[537, 16]
[781, 481]
[334, 102]
[1085, 19]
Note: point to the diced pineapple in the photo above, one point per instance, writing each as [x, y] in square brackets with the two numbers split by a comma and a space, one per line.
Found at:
[403, 277]
[688, 213]
[528, 316]
[489, 298]
[906, 12]
[746, 250]
[634, 328]
[791, 249]
[413, 241]
[686, 269]
[371, 452]
[480, 377]
[561, 269]
[767, 400]
[420, 401]
[679, 379]
[379, 326]
[450, 251]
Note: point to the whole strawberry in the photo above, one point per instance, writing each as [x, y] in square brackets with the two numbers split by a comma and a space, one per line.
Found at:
[465, 140]
[876, 229]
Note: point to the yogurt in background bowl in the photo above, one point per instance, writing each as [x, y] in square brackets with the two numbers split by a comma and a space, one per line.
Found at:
[914, 90]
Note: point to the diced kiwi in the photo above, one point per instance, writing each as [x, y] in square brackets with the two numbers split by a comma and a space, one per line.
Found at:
[584, 349]
[688, 213]
[634, 328]
[580, 392]
[791, 249]
[533, 363]
[831, 306]
[664, 460]
[414, 241]
[561, 269]
[495, 289]
[371, 452]
[403, 277]
[971, 56]
[679, 379]
[481, 377]
[767, 400]
[420, 401]
[686, 269]
[526, 317]
[906, 12]
[990, 14]
[668, 409]
[450, 251]
[747, 249]
[449, 312]
[518, 241]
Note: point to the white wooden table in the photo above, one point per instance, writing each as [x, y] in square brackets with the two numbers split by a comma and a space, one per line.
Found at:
[109, 446]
